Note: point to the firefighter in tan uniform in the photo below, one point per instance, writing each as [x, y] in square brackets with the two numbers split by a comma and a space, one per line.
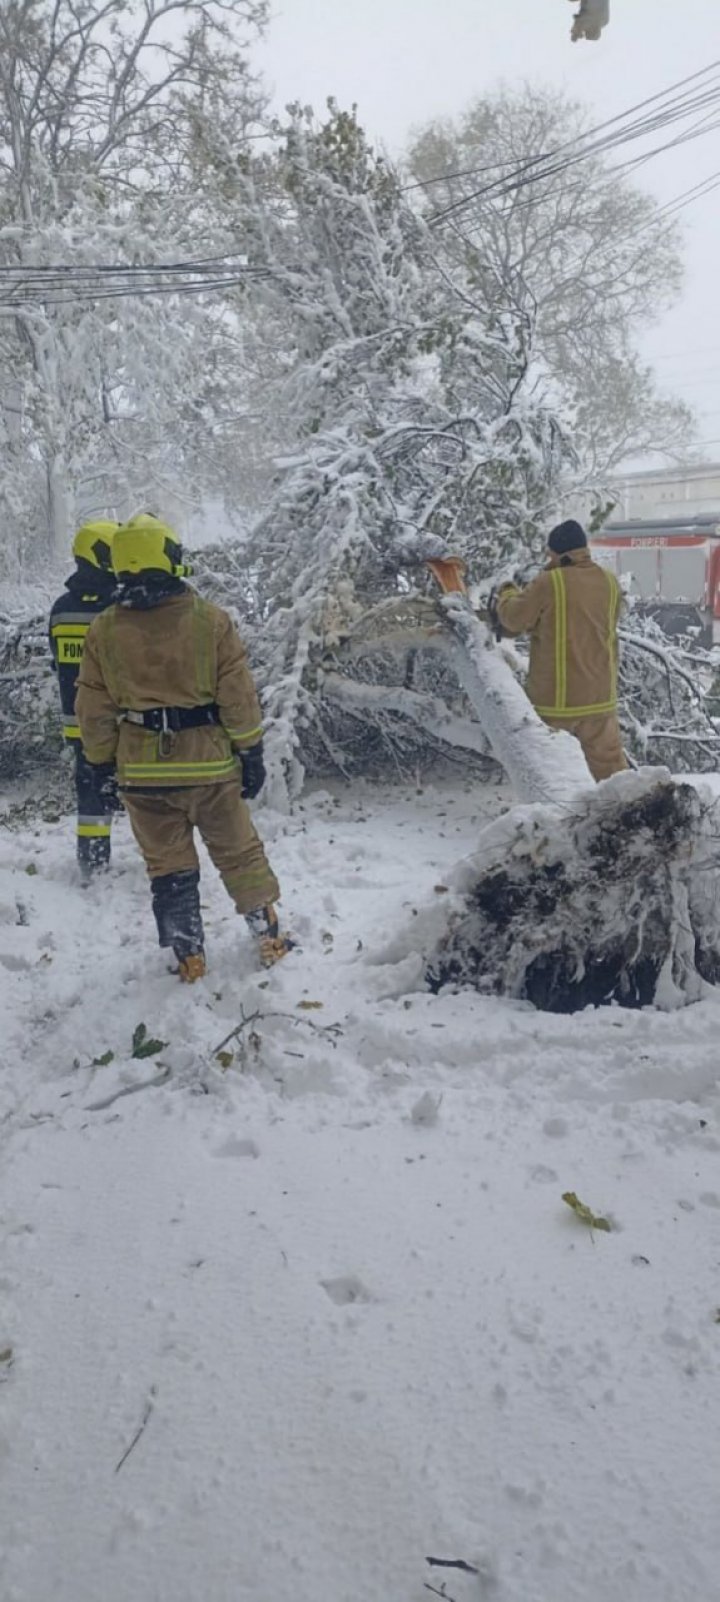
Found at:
[571, 613]
[166, 693]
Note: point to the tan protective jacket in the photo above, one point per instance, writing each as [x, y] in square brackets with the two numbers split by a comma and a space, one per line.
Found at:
[185, 652]
[571, 615]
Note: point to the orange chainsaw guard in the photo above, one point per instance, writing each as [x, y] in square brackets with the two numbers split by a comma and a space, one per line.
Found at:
[449, 573]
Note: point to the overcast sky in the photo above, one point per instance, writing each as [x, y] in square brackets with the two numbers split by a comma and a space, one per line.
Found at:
[406, 61]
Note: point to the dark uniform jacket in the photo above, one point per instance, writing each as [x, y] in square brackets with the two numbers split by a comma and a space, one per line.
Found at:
[87, 592]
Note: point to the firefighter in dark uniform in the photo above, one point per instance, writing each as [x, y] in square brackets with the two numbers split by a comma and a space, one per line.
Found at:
[88, 591]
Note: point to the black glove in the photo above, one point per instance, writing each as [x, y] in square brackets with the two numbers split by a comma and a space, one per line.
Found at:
[252, 767]
[492, 608]
[492, 613]
[106, 781]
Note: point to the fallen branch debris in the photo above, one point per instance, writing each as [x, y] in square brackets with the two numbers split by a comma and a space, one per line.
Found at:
[129, 1090]
[451, 1563]
[149, 1405]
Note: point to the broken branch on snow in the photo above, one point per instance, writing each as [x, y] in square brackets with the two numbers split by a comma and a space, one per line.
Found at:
[451, 1563]
[130, 1090]
[330, 1031]
[140, 1430]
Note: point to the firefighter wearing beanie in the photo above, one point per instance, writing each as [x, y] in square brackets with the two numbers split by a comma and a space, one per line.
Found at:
[571, 614]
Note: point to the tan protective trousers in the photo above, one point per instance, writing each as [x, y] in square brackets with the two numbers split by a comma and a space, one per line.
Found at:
[599, 736]
[163, 824]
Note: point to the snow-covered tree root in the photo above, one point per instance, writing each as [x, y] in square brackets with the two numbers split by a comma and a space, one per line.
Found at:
[608, 893]
[615, 898]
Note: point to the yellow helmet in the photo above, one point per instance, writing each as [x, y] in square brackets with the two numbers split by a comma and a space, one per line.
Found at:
[93, 544]
[146, 545]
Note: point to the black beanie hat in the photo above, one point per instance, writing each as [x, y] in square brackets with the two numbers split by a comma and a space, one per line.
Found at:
[565, 537]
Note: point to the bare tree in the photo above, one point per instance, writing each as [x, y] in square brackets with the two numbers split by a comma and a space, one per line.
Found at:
[594, 255]
[99, 108]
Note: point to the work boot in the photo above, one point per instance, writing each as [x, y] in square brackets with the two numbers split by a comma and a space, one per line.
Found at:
[176, 905]
[263, 925]
[192, 967]
[93, 855]
[90, 872]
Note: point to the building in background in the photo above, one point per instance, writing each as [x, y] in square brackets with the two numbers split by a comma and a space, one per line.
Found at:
[692, 489]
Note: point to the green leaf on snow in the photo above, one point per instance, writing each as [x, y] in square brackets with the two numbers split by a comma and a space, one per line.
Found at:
[143, 1044]
[102, 1062]
[593, 1220]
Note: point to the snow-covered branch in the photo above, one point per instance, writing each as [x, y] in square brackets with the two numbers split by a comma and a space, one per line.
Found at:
[429, 712]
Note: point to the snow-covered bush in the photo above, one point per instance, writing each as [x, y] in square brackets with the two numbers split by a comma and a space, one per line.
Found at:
[665, 687]
[30, 722]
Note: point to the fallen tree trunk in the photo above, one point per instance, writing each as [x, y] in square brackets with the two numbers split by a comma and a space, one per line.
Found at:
[542, 764]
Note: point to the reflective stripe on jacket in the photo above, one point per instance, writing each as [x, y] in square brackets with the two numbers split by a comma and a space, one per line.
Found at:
[184, 652]
[571, 614]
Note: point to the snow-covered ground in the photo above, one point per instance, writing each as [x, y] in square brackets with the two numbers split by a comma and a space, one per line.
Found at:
[284, 1326]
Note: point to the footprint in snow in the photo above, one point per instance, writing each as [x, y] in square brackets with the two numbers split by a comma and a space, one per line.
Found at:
[13, 962]
[346, 1290]
[237, 1147]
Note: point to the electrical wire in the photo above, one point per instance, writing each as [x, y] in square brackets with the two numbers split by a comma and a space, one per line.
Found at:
[199, 264]
[569, 154]
[48, 282]
[512, 185]
[49, 285]
[471, 172]
[678, 109]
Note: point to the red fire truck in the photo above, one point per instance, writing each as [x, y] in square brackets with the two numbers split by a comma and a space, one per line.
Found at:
[672, 563]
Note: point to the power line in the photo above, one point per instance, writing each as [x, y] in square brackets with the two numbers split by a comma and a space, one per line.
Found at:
[536, 168]
[47, 279]
[471, 172]
[201, 286]
[199, 264]
[522, 180]
[47, 282]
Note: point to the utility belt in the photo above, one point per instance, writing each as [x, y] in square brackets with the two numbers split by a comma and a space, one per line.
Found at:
[171, 719]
